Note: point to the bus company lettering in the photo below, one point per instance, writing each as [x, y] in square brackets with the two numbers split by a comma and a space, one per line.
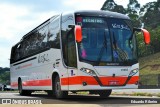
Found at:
[117, 26]
[92, 20]
[43, 58]
[24, 66]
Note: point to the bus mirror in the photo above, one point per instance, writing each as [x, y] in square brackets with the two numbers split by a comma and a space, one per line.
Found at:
[78, 33]
[71, 26]
[146, 36]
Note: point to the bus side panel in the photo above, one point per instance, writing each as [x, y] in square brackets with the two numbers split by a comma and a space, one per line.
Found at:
[36, 74]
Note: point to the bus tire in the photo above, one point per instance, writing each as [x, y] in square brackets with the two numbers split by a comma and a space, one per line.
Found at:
[104, 93]
[21, 91]
[57, 89]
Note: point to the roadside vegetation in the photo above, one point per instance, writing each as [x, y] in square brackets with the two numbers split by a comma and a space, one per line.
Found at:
[150, 64]
[4, 76]
[137, 94]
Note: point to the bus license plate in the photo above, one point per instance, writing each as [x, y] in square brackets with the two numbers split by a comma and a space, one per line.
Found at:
[113, 82]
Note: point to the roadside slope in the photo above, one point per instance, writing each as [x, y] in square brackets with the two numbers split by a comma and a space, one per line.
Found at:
[150, 64]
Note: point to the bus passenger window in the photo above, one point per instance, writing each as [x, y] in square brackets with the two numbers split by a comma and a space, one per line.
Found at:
[43, 36]
[53, 34]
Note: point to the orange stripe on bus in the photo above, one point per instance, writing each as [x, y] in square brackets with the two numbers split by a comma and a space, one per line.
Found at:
[14, 84]
[91, 80]
[78, 80]
[46, 82]
[133, 80]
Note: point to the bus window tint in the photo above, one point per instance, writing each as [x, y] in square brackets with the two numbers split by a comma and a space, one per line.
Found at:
[53, 34]
[66, 20]
[71, 49]
[43, 36]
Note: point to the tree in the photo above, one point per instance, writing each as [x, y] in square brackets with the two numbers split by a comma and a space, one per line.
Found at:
[4, 75]
[132, 9]
[110, 5]
[133, 12]
[5, 78]
[150, 18]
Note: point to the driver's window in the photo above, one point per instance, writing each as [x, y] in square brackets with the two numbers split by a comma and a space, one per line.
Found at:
[71, 49]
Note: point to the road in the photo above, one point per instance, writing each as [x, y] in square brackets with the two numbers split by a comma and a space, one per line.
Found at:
[92, 100]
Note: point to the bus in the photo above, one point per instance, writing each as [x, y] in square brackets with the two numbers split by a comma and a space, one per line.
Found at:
[88, 50]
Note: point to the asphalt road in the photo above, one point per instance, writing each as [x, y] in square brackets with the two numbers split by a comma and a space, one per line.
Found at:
[86, 99]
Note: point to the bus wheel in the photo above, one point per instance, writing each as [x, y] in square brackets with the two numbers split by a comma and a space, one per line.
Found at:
[57, 89]
[21, 91]
[104, 93]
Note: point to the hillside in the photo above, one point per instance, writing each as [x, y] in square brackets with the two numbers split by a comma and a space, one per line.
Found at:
[150, 64]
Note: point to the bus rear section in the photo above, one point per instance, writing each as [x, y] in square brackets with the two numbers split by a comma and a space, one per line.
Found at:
[97, 53]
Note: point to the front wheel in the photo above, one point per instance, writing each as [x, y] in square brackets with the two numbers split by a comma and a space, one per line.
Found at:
[57, 89]
[104, 93]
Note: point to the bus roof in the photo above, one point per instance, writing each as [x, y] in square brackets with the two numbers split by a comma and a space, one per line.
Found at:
[102, 13]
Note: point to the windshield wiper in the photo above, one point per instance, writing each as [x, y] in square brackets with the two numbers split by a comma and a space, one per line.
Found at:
[102, 50]
[117, 52]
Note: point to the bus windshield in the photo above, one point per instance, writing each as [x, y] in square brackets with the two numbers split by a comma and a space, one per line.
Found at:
[106, 40]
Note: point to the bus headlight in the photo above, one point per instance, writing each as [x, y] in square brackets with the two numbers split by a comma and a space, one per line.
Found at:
[133, 72]
[88, 71]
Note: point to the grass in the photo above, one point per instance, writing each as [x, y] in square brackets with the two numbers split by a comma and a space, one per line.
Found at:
[150, 64]
[137, 94]
[149, 69]
[158, 94]
[141, 94]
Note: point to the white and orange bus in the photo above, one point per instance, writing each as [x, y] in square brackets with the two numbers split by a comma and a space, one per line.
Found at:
[91, 51]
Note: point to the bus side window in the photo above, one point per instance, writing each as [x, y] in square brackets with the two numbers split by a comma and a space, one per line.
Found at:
[22, 48]
[54, 34]
[30, 44]
[17, 57]
[71, 49]
[26, 50]
[66, 20]
[43, 36]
